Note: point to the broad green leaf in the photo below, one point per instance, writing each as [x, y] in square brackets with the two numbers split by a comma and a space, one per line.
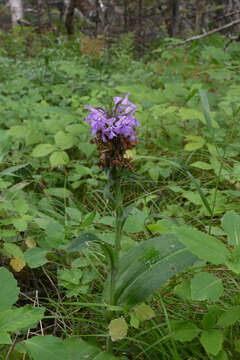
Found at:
[20, 205]
[50, 347]
[190, 114]
[206, 286]
[70, 275]
[212, 341]
[183, 289]
[231, 225]
[5, 338]
[59, 158]
[237, 345]
[42, 150]
[135, 222]
[55, 234]
[202, 165]
[9, 289]
[193, 196]
[79, 172]
[35, 257]
[201, 193]
[144, 268]
[134, 321]
[64, 141]
[209, 320]
[20, 318]
[78, 350]
[206, 247]
[17, 131]
[184, 331]
[12, 169]
[206, 109]
[192, 146]
[47, 347]
[81, 242]
[229, 317]
[118, 329]
[233, 266]
[12, 249]
[74, 214]
[222, 355]
[88, 219]
[20, 224]
[144, 312]
[62, 193]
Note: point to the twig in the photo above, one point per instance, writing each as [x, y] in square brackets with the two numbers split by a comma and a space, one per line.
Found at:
[40, 322]
[208, 33]
[11, 346]
[226, 15]
[231, 39]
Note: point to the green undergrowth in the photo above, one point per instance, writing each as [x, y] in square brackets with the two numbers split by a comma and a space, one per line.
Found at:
[187, 172]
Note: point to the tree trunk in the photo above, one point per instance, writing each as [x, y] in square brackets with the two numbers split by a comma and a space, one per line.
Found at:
[97, 16]
[140, 15]
[16, 11]
[125, 15]
[175, 18]
[201, 15]
[39, 15]
[69, 17]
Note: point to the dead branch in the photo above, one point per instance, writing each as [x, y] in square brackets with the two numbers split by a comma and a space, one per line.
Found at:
[197, 37]
[227, 15]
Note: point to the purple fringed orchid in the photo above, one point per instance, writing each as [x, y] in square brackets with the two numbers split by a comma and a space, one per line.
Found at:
[114, 133]
[122, 121]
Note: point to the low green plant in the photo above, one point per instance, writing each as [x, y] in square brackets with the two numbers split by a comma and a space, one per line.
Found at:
[58, 209]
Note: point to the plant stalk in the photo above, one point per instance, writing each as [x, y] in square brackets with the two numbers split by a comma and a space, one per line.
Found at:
[117, 247]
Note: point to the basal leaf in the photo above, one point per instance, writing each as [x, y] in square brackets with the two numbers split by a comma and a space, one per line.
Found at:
[147, 266]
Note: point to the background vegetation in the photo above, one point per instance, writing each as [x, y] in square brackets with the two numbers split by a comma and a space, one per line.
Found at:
[186, 182]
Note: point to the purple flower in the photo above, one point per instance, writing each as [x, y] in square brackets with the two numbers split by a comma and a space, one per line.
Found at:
[122, 121]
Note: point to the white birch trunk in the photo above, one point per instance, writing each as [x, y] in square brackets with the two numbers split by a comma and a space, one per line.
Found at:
[16, 11]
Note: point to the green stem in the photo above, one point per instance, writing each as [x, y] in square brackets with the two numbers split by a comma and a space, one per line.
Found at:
[117, 247]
